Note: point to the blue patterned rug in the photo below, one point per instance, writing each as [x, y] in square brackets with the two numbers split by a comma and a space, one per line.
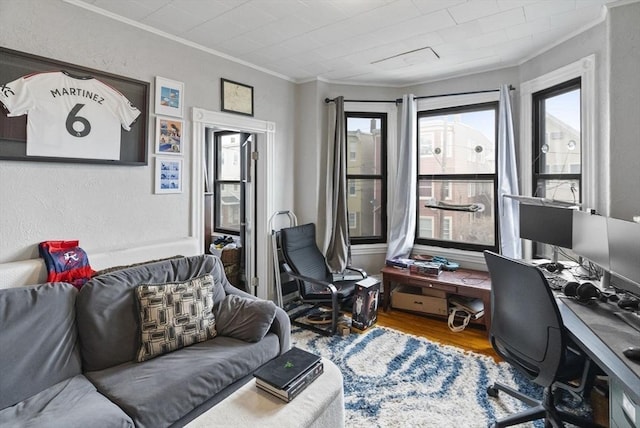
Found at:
[392, 379]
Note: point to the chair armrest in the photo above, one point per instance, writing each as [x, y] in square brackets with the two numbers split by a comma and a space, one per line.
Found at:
[359, 270]
[332, 288]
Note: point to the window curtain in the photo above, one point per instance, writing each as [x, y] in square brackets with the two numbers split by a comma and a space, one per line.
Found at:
[336, 235]
[508, 209]
[403, 210]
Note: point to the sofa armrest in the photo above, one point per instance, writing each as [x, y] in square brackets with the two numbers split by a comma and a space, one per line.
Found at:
[281, 325]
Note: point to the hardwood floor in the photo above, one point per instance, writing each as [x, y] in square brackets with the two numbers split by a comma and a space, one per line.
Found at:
[473, 338]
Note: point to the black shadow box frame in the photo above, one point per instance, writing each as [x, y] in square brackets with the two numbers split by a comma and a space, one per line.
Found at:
[13, 130]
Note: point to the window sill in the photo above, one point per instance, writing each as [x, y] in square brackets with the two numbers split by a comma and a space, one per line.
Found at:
[466, 259]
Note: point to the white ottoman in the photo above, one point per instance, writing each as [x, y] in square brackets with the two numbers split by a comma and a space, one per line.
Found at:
[320, 405]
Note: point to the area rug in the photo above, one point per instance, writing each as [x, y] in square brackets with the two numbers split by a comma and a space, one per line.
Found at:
[392, 379]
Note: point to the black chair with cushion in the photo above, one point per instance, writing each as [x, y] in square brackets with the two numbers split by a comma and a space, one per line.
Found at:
[527, 332]
[306, 263]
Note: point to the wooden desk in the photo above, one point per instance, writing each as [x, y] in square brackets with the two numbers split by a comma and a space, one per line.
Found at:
[462, 282]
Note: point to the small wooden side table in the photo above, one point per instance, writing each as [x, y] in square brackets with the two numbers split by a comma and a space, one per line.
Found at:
[462, 282]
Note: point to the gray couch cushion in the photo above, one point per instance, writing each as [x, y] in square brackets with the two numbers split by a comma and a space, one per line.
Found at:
[107, 313]
[38, 339]
[160, 391]
[72, 403]
[243, 318]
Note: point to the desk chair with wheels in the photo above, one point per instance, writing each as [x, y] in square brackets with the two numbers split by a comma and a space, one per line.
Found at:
[308, 266]
[528, 333]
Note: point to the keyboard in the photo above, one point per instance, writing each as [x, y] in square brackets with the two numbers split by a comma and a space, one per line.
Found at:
[631, 318]
[556, 282]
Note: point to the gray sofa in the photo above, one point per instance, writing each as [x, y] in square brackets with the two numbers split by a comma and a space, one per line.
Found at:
[68, 358]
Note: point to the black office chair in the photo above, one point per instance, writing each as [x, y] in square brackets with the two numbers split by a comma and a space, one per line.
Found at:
[528, 333]
[307, 265]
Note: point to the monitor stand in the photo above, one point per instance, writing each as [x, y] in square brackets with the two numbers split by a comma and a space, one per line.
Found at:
[554, 265]
[605, 281]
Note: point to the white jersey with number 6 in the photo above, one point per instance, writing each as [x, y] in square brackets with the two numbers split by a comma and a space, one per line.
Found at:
[68, 116]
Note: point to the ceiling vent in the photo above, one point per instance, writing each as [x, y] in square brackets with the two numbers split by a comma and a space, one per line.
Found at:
[414, 56]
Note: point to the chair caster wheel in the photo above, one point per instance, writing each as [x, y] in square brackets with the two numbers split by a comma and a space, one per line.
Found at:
[558, 397]
[492, 391]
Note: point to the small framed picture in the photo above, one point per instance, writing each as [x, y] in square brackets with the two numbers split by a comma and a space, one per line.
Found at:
[236, 97]
[168, 175]
[169, 97]
[169, 136]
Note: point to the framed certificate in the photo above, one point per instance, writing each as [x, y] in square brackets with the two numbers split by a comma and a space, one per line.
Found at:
[236, 97]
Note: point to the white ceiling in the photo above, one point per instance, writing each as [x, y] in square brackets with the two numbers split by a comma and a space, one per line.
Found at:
[363, 41]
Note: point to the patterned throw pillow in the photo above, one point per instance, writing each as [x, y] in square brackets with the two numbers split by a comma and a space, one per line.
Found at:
[174, 315]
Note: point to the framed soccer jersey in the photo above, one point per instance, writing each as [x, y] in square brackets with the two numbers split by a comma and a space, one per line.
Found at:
[72, 113]
[69, 116]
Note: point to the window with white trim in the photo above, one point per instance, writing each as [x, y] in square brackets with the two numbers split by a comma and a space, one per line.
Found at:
[463, 219]
[591, 166]
[367, 177]
[557, 142]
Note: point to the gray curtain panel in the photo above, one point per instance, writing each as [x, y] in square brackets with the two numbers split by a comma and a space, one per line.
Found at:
[403, 209]
[337, 229]
[508, 209]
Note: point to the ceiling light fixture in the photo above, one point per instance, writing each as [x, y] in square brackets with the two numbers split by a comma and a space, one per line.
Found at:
[426, 48]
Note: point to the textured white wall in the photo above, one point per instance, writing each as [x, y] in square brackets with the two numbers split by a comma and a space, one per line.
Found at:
[113, 207]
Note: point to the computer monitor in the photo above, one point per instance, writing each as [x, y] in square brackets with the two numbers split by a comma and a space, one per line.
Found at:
[547, 225]
[624, 254]
[590, 238]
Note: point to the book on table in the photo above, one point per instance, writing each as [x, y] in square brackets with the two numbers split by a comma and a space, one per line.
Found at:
[290, 373]
[292, 390]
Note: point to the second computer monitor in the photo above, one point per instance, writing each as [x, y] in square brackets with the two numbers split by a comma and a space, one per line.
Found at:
[624, 251]
[590, 239]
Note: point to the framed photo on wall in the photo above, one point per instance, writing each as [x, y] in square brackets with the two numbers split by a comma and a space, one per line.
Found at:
[236, 97]
[169, 136]
[168, 175]
[169, 97]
